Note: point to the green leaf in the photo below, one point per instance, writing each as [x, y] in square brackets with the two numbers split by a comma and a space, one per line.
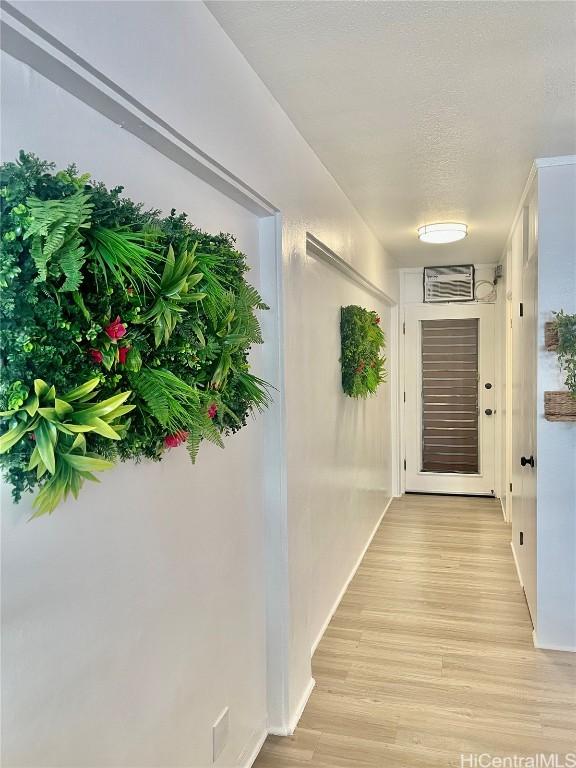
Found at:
[45, 446]
[31, 404]
[117, 413]
[86, 463]
[79, 443]
[192, 297]
[168, 266]
[108, 357]
[76, 428]
[40, 387]
[62, 408]
[125, 256]
[49, 414]
[35, 459]
[62, 428]
[133, 360]
[100, 427]
[101, 409]
[79, 301]
[199, 335]
[193, 444]
[81, 391]
[10, 438]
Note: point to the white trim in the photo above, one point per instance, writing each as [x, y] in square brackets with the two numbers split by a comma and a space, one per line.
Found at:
[275, 479]
[395, 410]
[251, 751]
[315, 247]
[545, 162]
[503, 508]
[349, 579]
[550, 647]
[540, 162]
[291, 727]
[516, 564]
[29, 43]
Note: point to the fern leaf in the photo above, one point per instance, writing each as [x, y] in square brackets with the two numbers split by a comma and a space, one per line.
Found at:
[71, 258]
[53, 227]
[193, 444]
[173, 403]
[39, 259]
[55, 238]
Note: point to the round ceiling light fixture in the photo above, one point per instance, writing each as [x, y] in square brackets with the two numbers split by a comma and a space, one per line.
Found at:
[445, 232]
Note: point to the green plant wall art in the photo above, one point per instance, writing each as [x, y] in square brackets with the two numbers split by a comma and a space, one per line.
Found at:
[363, 343]
[124, 333]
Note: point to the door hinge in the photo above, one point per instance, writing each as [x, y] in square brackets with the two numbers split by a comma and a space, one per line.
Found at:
[404, 396]
[404, 328]
[510, 487]
[521, 538]
[404, 463]
[521, 309]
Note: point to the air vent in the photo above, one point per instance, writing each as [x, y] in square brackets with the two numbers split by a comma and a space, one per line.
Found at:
[449, 283]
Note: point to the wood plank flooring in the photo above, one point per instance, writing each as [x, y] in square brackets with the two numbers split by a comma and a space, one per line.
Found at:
[430, 654]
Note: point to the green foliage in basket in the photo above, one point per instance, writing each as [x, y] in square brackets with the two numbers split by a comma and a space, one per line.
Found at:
[566, 325]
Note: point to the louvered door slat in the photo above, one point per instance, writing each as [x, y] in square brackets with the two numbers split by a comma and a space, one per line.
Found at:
[449, 360]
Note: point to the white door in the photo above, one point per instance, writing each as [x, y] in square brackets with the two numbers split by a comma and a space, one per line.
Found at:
[524, 483]
[450, 398]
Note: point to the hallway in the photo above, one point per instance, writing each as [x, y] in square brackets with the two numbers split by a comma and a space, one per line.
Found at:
[430, 653]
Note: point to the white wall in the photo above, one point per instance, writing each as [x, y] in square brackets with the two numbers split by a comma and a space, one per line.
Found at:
[556, 451]
[166, 625]
[547, 209]
[342, 468]
[132, 617]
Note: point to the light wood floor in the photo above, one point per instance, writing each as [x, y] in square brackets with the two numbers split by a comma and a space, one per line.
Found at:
[430, 653]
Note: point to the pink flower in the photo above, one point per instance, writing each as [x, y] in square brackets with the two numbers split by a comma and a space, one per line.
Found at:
[116, 329]
[123, 354]
[176, 439]
[212, 411]
[95, 355]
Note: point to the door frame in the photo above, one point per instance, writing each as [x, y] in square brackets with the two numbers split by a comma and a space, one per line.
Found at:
[487, 398]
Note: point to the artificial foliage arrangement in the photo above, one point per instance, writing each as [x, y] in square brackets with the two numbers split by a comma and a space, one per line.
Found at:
[124, 333]
[362, 360]
[566, 327]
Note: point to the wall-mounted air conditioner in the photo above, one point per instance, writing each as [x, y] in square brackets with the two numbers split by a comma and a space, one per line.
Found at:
[449, 283]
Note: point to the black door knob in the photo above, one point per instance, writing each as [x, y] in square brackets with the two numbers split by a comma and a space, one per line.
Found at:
[488, 411]
[527, 462]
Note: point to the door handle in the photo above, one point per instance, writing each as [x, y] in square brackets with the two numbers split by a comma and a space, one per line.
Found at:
[527, 462]
[488, 411]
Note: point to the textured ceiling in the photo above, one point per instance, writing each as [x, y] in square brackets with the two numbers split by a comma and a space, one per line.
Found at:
[422, 111]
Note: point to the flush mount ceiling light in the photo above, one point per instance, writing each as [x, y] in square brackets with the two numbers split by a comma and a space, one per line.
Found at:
[445, 232]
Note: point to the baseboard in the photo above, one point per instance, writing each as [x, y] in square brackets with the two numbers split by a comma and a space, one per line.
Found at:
[291, 727]
[349, 579]
[251, 751]
[516, 564]
[550, 647]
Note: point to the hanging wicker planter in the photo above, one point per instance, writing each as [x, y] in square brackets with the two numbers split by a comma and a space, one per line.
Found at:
[559, 406]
